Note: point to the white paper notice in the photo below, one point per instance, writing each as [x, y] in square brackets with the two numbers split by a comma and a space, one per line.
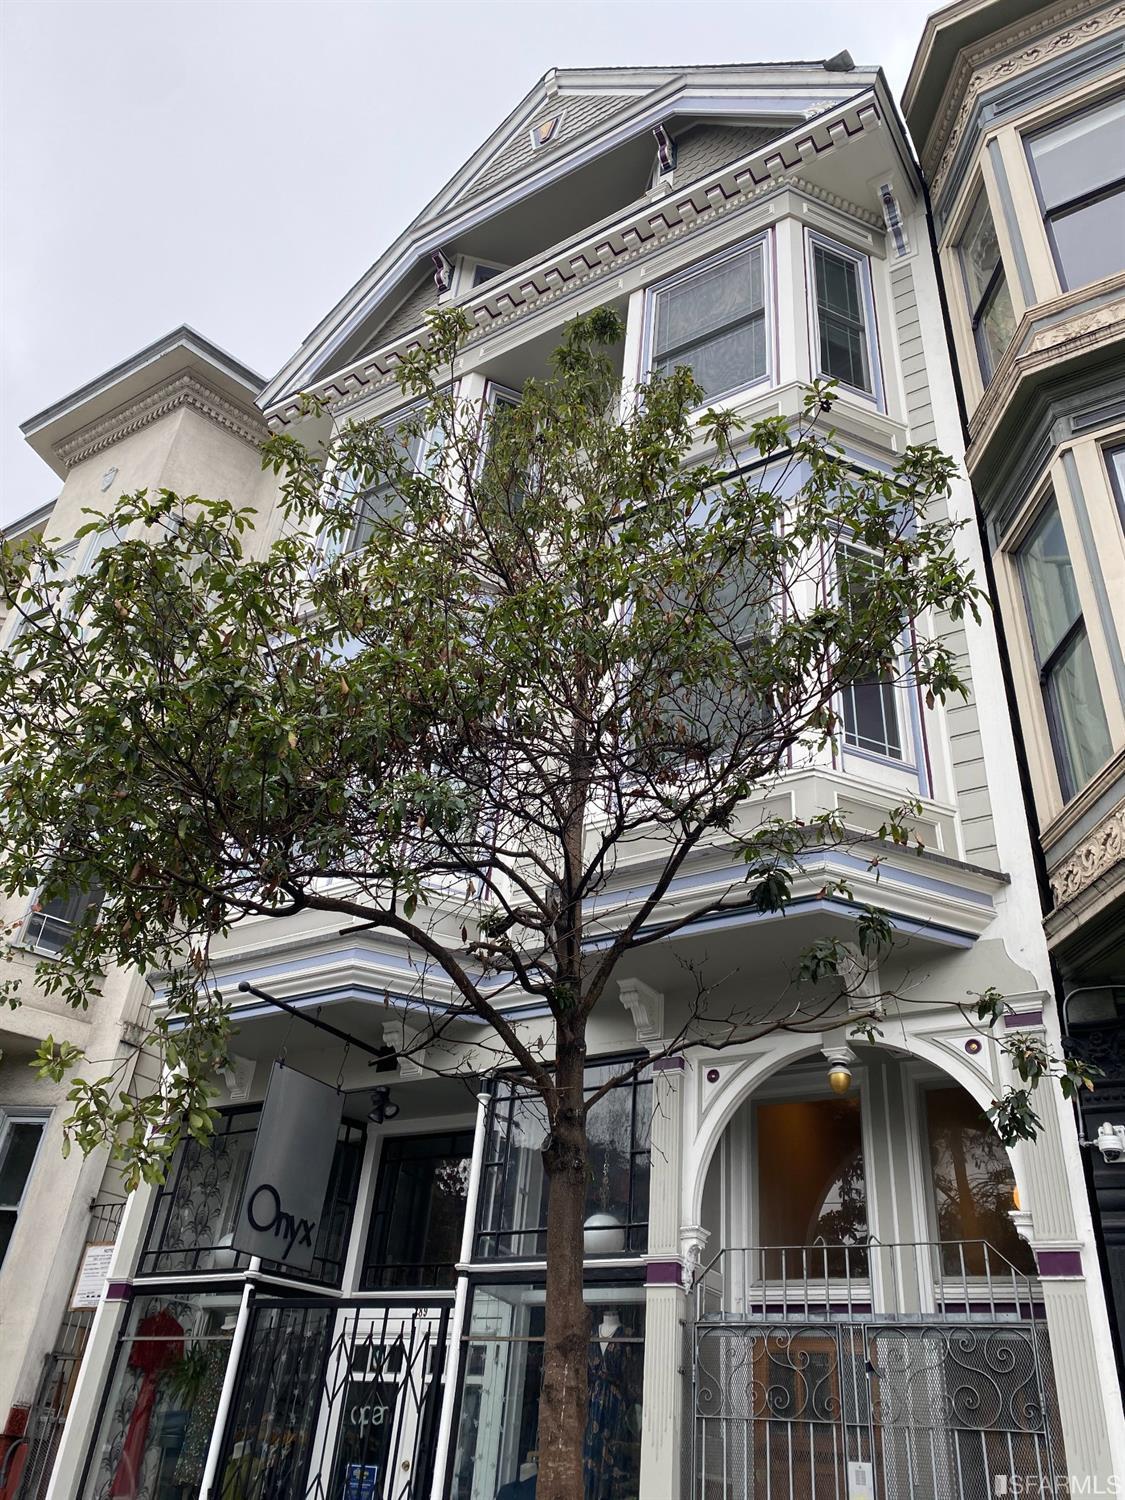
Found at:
[91, 1275]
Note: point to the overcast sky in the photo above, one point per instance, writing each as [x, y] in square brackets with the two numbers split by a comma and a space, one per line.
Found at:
[238, 165]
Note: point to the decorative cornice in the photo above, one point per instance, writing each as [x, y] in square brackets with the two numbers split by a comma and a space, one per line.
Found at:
[613, 247]
[1093, 858]
[185, 390]
[973, 73]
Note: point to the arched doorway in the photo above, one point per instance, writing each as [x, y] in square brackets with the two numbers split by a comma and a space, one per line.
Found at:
[868, 1320]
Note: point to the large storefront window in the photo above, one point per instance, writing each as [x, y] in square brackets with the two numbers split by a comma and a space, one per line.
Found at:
[159, 1415]
[416, 1226]
[497, 1444]
[196, 1208]
[513, 1216]
[974, 1189]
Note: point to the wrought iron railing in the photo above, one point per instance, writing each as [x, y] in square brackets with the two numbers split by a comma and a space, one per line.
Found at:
[952, 1280]
[917, 1371]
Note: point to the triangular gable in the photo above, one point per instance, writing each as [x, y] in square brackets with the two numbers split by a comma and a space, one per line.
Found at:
[560, 118]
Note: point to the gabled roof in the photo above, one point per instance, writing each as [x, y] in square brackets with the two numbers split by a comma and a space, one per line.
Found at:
[597, 110]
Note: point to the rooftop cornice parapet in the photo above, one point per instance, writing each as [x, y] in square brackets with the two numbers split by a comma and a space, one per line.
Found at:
[1005, 55]
[185, 390]
[609, 247]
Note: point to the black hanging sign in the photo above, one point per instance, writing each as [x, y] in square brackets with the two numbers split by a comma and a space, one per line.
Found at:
[279, 1216]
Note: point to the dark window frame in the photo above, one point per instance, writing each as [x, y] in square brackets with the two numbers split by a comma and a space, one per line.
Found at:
[1111, 453]
[1069, 206]
[340, 1197]
[395, 1152]
[488, 1240]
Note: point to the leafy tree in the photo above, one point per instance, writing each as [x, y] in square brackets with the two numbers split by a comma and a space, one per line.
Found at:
[488, 655]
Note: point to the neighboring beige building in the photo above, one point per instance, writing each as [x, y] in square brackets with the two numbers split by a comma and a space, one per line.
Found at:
[178, 414]
[1018, 110]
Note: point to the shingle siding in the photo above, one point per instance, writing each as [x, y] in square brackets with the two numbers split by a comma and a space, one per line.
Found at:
[965, 746]
[409, 314]
[709, 147]
[579, 113]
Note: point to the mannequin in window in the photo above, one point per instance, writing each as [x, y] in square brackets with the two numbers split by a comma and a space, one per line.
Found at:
[614, 1379]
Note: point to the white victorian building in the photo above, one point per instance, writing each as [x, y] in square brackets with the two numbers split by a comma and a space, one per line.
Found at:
[794, 1291]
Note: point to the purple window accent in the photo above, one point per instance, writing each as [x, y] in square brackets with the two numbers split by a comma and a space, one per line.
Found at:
[118, 1291]
[973, 1046]
[664, 1273]
[669, 1065]
[1059, 1262]
[712, 1075]
[1016, 1018]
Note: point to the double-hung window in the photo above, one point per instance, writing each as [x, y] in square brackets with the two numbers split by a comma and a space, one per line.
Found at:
[986, 290]
[1115, 462]
[21, 1132]
[870, 701]
[844, 316]
[713, 319]
[1067, 676]
[1079, 171]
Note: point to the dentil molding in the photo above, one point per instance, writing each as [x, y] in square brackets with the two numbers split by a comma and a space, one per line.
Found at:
[185, 390]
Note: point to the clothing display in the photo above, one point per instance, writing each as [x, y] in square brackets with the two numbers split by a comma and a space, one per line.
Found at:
[610, 1459]
[158, 1343]
[200, 1425]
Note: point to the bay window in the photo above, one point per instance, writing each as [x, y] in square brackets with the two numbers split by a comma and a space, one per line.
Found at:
[712, 318]
[844, 316]
[1079, 171]
[986, 289]
[1067, 676]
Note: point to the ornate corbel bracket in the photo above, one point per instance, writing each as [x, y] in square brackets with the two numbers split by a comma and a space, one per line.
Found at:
[646, 1006]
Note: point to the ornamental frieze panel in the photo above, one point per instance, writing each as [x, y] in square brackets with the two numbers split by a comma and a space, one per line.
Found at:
[974, 76]
[1093, 858]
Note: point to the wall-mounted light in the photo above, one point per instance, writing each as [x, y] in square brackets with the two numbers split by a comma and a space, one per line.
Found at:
[382, 1108]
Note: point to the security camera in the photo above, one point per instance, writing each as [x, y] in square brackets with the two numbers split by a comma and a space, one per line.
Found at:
[1110, 1141]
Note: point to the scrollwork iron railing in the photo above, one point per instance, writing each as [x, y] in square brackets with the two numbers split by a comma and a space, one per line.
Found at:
[909, 1371]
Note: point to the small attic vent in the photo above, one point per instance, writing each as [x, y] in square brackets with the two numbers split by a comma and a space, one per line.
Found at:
[544, 131]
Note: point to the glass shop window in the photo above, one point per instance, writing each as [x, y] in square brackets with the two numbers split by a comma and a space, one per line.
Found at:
[163, 1396]
[513, 1213]
[1079, 171]
[497, 1453]
[195, 1211]
[812, 1187]
[713, 319]
[974, 1189]
[415, 1234]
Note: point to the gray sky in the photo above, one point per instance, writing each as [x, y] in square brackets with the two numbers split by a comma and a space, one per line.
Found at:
[238, 165]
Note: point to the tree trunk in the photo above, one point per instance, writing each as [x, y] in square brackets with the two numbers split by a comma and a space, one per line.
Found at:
[563, 1400]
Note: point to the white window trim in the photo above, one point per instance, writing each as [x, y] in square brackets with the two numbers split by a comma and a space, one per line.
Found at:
[764, 240]
[464, 271]
[333, 550]
[24, 938]
[876, 397]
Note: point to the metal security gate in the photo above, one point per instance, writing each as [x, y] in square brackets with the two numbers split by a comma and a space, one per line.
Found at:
[854, 1410]
[336, 1400]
